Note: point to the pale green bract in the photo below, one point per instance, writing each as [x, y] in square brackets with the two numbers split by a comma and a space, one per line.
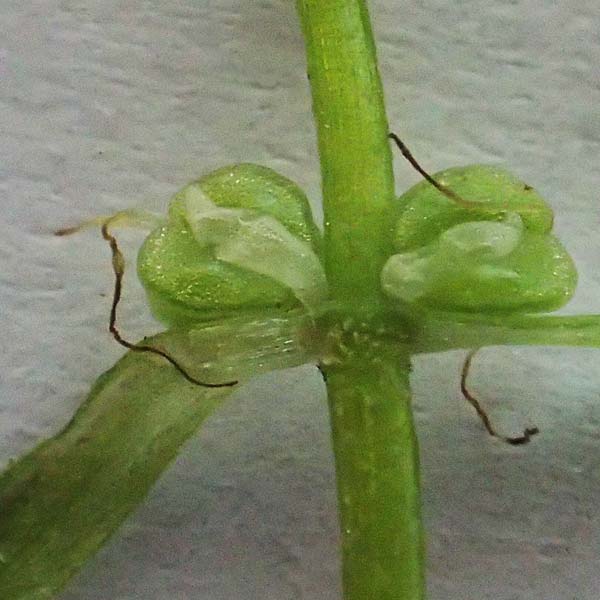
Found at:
[258, 243]
[498, 257]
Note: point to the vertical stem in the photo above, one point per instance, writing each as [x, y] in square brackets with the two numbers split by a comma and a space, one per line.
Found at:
[356, 161]
[373, 436]
[369, 395]
[378, 477]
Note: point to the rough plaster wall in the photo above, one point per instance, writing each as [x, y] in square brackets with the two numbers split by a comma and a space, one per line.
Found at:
[111, 104]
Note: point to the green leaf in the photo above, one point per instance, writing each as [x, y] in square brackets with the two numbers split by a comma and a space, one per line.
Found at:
[61, 501]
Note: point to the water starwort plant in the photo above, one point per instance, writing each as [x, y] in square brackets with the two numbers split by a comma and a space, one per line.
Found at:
[246, 283]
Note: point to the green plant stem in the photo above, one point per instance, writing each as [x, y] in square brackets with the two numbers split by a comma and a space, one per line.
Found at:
[373, 437]
[356, 161]
[377, 475]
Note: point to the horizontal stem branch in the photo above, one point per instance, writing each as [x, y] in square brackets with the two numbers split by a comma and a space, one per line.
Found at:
[437, 333]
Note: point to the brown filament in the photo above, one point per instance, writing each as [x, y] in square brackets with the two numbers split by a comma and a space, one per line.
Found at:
[118, 264]
[513, 441]
[436, 184]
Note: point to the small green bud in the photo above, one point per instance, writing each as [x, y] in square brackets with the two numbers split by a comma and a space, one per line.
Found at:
[240, 238]
[497, 258]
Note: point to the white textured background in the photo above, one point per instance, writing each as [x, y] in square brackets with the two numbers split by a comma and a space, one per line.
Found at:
[113, 104]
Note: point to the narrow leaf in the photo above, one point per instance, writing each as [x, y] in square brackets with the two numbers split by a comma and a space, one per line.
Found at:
[60, 502]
